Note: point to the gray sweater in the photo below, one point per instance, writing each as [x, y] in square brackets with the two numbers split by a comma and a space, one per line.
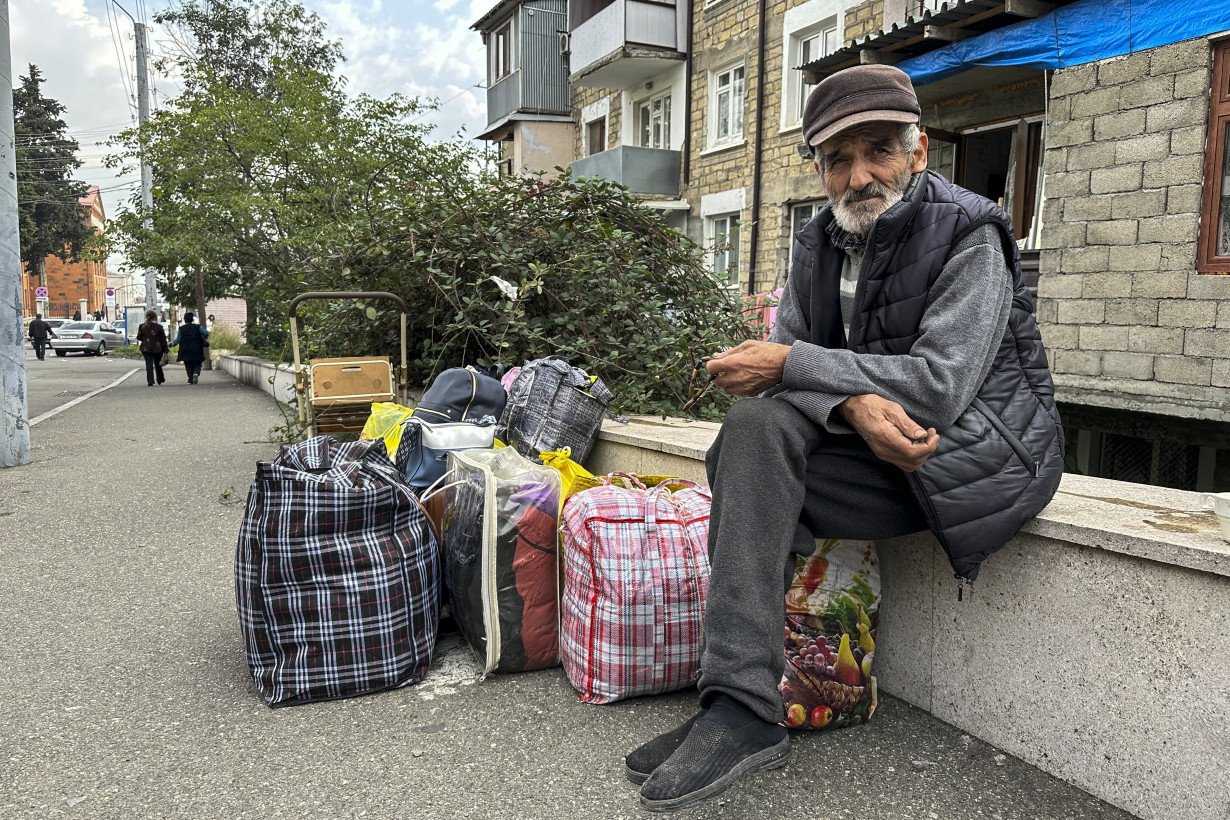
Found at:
[960, 333]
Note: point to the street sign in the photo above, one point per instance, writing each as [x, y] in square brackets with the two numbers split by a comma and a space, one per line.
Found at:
[110, 292]
[40, 293]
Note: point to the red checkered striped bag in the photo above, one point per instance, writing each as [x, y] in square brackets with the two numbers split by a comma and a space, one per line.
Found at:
[636, 573]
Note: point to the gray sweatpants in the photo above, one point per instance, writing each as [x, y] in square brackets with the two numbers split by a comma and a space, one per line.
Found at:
[779, 482]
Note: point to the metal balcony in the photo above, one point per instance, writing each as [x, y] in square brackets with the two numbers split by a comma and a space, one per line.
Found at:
[623, 42]
[641, 170]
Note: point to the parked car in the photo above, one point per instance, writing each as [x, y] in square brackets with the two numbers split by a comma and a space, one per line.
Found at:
[87, 337]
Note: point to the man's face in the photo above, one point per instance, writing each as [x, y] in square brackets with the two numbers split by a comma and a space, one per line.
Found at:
[865, 171]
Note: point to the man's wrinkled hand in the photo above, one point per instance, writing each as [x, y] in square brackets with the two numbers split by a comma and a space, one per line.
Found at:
[892, 435]
[748, 369]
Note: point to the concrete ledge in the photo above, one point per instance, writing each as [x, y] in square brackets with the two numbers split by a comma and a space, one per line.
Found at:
[278, 380]
[1095, 645]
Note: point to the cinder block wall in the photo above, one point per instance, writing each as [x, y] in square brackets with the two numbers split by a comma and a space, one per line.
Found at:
[1122, 308]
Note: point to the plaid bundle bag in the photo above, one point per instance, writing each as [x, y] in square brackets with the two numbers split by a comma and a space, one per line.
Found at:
[636, 574]
[337, 575]
[552, 405]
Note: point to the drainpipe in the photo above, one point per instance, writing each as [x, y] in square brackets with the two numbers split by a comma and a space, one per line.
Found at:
[757, 154]
[687, 107]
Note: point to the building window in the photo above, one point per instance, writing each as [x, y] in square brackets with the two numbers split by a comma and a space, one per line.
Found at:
[1214, 252]
[800, 214]
[726, 106]
[812, 47]
[655, 122]
[502, 52]
[723, 237]
[595, 136]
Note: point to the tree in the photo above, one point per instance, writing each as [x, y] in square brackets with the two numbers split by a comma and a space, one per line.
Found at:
[51, 218]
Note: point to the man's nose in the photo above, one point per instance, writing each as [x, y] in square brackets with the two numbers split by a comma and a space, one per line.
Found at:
[860, 174]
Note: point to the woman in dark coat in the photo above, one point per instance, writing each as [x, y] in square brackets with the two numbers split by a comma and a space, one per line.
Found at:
[153, 342]
[191, 339]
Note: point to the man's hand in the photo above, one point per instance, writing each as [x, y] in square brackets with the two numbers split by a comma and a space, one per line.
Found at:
[892, 435]
[749, 369]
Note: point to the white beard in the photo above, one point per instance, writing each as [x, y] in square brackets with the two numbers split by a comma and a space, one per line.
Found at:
[857, 217]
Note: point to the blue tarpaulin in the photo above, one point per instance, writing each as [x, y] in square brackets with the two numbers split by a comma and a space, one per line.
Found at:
[1080, 33]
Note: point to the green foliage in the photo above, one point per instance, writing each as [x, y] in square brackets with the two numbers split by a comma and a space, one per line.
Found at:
[223, 338]
[51, 218]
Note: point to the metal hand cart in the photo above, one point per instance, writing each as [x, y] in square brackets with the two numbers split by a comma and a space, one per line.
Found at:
[335, 395]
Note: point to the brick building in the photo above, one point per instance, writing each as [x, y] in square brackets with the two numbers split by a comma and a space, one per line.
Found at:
[71, 286]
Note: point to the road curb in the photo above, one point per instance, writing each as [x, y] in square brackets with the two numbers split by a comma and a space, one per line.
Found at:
[58, 410]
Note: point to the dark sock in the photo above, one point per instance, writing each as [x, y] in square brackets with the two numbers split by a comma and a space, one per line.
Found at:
[729, 712]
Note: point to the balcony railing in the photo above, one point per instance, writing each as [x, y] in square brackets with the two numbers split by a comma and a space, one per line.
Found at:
[641, 170]
[623, 42]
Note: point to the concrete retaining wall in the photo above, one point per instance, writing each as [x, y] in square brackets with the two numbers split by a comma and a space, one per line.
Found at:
[276, 380]
[1095, 645]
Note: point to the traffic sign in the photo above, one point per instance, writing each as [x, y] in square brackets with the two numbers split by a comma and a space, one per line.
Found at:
[110, 292]
[40, 292]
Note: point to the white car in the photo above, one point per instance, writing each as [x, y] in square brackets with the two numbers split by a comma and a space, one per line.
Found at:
[86, 337]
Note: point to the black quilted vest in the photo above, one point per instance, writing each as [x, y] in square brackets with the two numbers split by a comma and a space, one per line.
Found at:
[1000, 463]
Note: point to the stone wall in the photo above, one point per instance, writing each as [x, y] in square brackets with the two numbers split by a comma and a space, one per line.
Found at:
[1126, 319]
[582, 97]
[865, 19]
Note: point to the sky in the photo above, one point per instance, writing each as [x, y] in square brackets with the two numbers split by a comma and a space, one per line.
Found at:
[85, 51]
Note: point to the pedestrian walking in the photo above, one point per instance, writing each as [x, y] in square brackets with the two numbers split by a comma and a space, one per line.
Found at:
[40, 332]
[152, 340]
[191, 339]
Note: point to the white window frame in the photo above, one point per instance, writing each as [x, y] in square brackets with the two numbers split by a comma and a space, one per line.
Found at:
[800, 23]
[735, 86]
[813, 207]
[507, 30]
[664, 120]
[724, 254]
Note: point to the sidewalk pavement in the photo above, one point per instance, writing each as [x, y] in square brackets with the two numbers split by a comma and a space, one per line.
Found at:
[125, 691]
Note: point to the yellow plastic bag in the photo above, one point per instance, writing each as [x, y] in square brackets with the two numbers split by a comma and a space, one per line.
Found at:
[385, 423]
[573, 477]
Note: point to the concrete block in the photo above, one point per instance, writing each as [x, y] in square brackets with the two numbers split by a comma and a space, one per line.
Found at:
[1187, 313]
[1081, 311]
[1100, 101]
[909, 563]
[1184, 199]
[1139, 203]
[1068, 183]
[1155, 339]
[1176, 114]
[1080, 362]
[1073, 80]
[1060, 285]
[1208, 287]
[1052, 212]
[1212, 343]
[1107, 286]
[1159, 284]
[1061, 337]
[1221, 373]
[1087, 208]
[1120, 178]
[1064, 235]
[1114, 232]
[1149, 91]
[1085, 260]
[1048, 262]
[1178, 57]
[1223, 315]
[1178, 257]
[1193, 83]
[1123, 69]
[1137, 366]
[1171, 228]
[1093, 155]
[1137, 149]
[1134, 258]
[1079, 132]
[1182, 170]
[1183, 370]
[1103, 337]
[1047, 311]
[1115, 126]
[1190, 140]
[1131, 312]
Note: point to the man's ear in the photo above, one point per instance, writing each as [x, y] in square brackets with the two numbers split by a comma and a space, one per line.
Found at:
[919, 158]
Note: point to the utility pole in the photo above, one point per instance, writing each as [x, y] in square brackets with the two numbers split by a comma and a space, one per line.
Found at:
[14, 428]
[147, 195]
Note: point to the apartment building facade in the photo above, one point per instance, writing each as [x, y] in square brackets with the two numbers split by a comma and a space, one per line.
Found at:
[71, 286]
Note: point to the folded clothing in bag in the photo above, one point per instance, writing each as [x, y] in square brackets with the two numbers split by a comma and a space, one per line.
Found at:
[552, 405]
[501, 557]
[422, 455]
[832, 618]
[337, 576]
[636, 575]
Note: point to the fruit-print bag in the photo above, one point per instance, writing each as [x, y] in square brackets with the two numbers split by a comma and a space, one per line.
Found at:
[832, 614]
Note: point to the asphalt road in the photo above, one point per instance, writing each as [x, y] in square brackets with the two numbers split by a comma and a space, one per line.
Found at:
[55, 381]
[124, 691]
